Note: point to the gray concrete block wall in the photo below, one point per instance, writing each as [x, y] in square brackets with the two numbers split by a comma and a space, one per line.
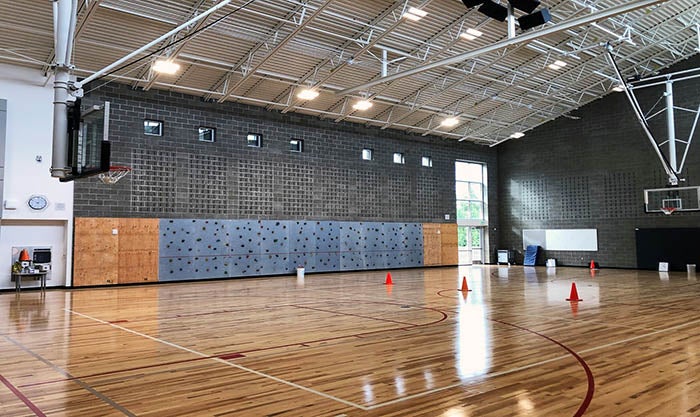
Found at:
[591, 173]
[177, 176]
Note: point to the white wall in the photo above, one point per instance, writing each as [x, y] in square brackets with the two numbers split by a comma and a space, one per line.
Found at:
[29, 133]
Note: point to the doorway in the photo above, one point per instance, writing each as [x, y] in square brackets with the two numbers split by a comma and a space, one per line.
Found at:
[470, 244]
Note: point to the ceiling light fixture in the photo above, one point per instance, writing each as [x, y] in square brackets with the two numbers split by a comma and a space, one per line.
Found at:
[557, 65]
[414, 14]
[449, 122]
[618, 88]
[471, 34]
[516, 135]
[362, 105]
[166, 66]
[307, 94]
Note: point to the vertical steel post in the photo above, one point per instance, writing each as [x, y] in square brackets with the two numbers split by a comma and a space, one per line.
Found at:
[64, 22]
[511, 22]
[671, 126]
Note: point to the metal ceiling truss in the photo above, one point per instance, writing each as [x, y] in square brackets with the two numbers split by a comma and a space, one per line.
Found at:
[415, 73]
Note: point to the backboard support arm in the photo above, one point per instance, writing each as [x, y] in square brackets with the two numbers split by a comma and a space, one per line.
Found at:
[673, 178]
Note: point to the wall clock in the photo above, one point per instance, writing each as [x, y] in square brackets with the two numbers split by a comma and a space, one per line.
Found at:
[37, 202]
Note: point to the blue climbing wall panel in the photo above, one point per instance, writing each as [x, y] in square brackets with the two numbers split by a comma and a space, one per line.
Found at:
[194, 249]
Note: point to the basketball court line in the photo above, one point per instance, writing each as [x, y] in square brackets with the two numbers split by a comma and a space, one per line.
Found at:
[397, 400]
[69, 376]
[305, 343]
[233, 365]
[36, 410]
[581, 320]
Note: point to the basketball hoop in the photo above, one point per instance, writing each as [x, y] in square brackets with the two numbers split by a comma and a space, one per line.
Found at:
[668, 210]
[114, 174]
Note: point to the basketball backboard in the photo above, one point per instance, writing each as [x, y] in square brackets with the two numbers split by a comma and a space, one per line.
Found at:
[88, 136]
[660, 200]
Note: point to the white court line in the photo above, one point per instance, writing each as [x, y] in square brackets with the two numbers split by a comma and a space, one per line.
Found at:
[497, 374]
[397, 400]
[243, 368]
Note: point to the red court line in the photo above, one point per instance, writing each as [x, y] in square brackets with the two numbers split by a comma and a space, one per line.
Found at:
[136, 368]
[359, 335]
[239, 354]
[356, 315]
[22, 397]
[589, 374]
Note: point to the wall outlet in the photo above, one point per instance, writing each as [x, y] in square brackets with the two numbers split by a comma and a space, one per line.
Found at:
[115, 231]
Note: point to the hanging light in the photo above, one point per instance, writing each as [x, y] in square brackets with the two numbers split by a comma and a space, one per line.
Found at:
[362, 105]
[307, 94]
[450, 122]
[164, 66]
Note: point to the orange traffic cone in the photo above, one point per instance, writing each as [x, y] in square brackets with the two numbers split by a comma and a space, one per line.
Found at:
[593, 265]
[465, 287]
[388, 279]
[574, 308]
[574, 293]
[24, 256]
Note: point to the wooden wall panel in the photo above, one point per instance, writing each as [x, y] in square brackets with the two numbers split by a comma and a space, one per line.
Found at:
[449, 249]
[95, 252]
[432, 249]
[138, 250]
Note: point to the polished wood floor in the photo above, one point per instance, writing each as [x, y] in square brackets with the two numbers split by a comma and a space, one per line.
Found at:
[348, 345]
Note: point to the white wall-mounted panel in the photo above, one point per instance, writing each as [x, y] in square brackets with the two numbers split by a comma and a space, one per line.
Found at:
[562, 239]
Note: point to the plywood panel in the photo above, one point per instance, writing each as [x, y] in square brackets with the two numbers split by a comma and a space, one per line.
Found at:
[449, 250]
[432, 250]
[138, 250]
[95, 251]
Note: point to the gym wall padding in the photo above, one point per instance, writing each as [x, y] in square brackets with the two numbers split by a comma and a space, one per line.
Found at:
[677, 246]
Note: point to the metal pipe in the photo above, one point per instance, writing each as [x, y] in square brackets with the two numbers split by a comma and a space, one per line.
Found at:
[511, 21]
[71, 31]
[672, 177]
[59, 151]
[671, 127]
[64, 17]
[690, 139]
[528, 37]
[150, 44]
[385, 64]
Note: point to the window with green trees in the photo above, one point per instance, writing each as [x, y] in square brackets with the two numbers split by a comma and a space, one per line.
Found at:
[470, 186]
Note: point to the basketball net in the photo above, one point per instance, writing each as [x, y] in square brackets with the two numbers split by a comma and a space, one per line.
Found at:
[114, 174]
[668, 210]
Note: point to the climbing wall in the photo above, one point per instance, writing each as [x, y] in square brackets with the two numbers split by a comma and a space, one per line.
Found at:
[194, 249]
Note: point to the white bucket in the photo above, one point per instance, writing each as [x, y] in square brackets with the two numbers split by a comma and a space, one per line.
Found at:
[691, 268]
[551, 263]
[300, 272]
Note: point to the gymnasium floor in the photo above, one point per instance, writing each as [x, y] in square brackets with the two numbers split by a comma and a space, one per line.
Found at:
[345, 344]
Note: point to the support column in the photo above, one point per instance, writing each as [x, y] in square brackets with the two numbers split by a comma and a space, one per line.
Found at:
[64, 25]
[511, 22]
[671, 125]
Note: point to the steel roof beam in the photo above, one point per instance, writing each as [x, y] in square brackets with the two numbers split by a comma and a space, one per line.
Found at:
[528, 37]
[276, 49]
